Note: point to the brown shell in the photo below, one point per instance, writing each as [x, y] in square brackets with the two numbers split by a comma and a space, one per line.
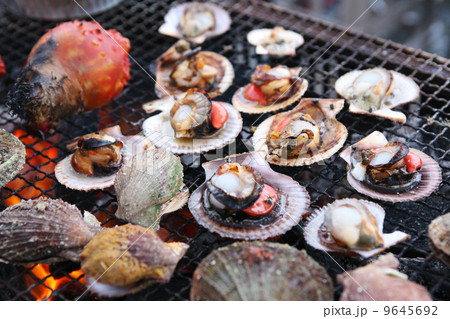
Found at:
[380, 281]
[225, 77]
[126, 259]
[12, 156]
[439, 235]
[431, 173]
[323, 112]
[66, 175]
[43, 231]
[251, 107]
[311, 230]
[263, 271]
[295, 207]
[158, 129]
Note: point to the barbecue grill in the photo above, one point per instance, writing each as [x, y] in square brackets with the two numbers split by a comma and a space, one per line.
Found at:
[427, 128]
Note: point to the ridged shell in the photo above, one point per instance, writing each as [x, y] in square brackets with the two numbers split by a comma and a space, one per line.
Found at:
[258, 38]
[172, 19]
[146, 183]
[439, 235]
[431, 173]
[43, 231]
[405, 90]
[251, 107]
[225, 76]
[12, 156]
[158, 129]
[126, 259]
[260, 271]
[323, 112]
[295, 206]
[66, 175]
[380, 281]
[314, 222]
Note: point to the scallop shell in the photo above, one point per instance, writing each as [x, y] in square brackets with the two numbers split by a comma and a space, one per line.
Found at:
[405, 90]
[225, 77]
[314, 222]
[264, 271]
[380, 281]
[43, 231]
[251, 107]
[12, 157]
[172, 19]
[258, 38]
[439, 235]
[159, 130]
[295, 206]
[126, 259]
[66, 175]
[323, 112]
[148, 186]
[431, 173]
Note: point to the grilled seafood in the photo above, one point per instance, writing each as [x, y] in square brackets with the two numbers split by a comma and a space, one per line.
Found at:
[439, 235]
[12, 156]
[276, 41]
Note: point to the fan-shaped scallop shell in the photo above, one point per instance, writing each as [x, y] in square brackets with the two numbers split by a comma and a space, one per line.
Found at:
[43, 231]
[295, 200]
[323, 112]
[258, 37]
[260, 271]
[431, 172]
[12, 156]
[439, 235]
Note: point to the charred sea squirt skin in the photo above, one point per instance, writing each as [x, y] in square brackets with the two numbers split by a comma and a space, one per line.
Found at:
[260, 271]
[135, 258]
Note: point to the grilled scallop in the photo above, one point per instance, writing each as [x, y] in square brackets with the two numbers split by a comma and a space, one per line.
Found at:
[376, 92]
[307, 134]
[12, 157]
[97, 158]
[195, 21]
[260, 271]
[439, 235]
[351, 227]
[390, 171]
[276, 41]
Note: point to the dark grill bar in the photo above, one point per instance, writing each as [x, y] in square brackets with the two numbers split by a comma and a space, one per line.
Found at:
[427, 128]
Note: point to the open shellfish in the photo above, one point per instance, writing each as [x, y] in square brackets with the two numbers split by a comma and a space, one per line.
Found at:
[376, 91]
[192, 124]
[380, 281]
[276, 41]
[149, 185]
[129, 258]
[12, 156]
[307, 134]
[97, 158]
[243, 198]
[271, 89]
[439, 235]
[180, 69]
[43, 231]
[390, 171]
[260, 271]
[352, 227]
[195, 21]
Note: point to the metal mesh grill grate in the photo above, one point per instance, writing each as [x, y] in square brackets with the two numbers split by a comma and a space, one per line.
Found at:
[425, 129]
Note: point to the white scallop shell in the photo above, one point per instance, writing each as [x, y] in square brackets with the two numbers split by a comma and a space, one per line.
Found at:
[405, 90]
[314, 222]
[259, 37]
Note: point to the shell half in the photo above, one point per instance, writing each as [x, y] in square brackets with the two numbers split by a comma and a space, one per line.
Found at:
[171, 28]
[295, 204]
[251, 107]
[314, 222]
[431, 173]
[12, 156]
[439, 235]
[66, 175]
[284, 43]
[158, 129]
[323, 112]
[260, 271]
[404, 91]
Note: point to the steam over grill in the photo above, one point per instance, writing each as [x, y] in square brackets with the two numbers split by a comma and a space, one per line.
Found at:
[425, 129]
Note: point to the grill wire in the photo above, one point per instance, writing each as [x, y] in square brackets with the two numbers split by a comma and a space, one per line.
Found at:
[426, 129]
